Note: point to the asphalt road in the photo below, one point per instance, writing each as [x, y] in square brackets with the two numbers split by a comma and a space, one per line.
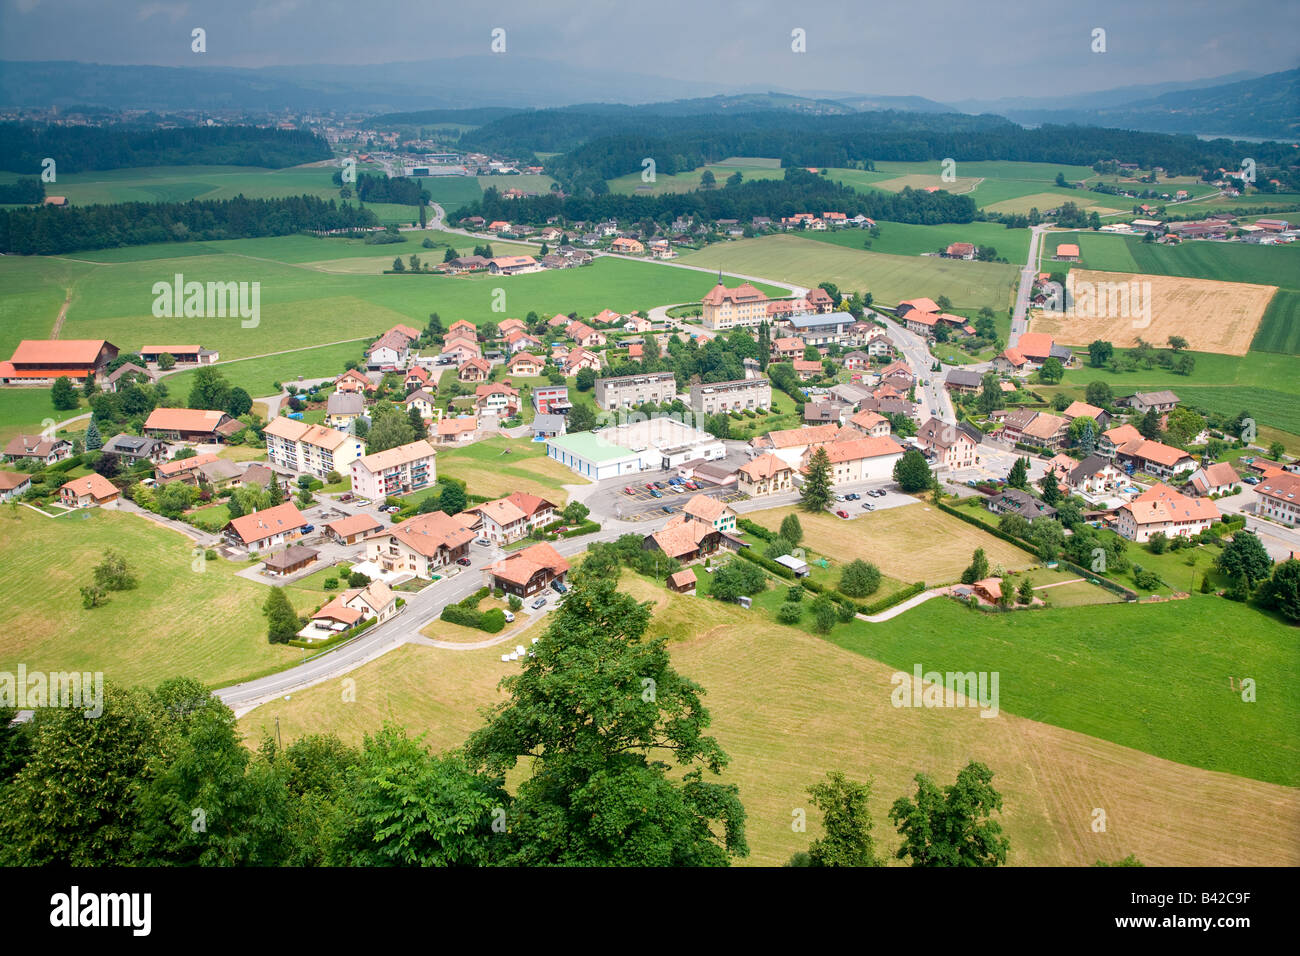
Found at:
[1019, 319]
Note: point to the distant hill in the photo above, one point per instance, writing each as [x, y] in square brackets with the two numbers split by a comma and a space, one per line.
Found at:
[1097, 99]
[1267, 106]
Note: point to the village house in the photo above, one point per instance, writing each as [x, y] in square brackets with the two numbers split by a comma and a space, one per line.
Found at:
[765, 475]
[392, 349]
[38, 448]
[1015, 501]
[455, 431]
[548, 426]
[354, 380]
[1077, 409]
[187, 470]
[627, 246]
[310, 449]
[1161, 508]
[519, 341]
[585, 335]
[1279, 497]
[1115, 438]
[528, 571]
[1009, 361]
[1095, 475]
[869, 423]
[577, 359]
[494, 398]
[125, 374]
[268, 528]
[422, 401]
[963, 381]
[396, 471]
[422, 545]
[949, 446]
[857, 459]
[14, 484]
[419, 377]
[473, 370]
[684, 539]
[521, 363]
[1046, 431]
[87, 492]
[203, 426]
[350, 608]
[343, 408]
[513, 265]
[1219, 478]
[807, 370]
[512, 518]
[463, 264]
[821, 411]
[712, 512]
[353, 528]
[789, 444]
[1143, 402]
[459, 349]
[1155, 458]
[787, 348]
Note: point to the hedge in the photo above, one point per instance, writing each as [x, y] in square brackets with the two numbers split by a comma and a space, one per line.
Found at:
[996, 532]
[757, 530]
[896, 598]
[1112, 586]
[587, 527]
[767, 564]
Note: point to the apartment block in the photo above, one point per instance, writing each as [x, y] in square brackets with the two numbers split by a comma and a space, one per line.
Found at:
[714, 397]
[625, 390]
[310, 449]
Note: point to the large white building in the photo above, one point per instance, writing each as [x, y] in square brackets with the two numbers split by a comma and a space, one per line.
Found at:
[652, 444]
[397, 471]
[623, 391]
[745, 393]
[310, 449]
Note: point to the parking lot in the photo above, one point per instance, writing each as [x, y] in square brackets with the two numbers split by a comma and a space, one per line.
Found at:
[642, 504]
[883, 499]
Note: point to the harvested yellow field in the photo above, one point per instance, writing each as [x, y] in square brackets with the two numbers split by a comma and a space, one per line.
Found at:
[1044, 201]
[1120, 308]
[962, 184]
[910, 543]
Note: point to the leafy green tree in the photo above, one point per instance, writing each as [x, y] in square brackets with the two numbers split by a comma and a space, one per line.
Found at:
[112, 573]
[239, 403]
[791, 529]
[1245, 558]
[585, 380]
[281, 619]
[452, 500]
[789, 612]
[778, 547]
[1025, 593]
[1182, 425]
[719, 426]
[846, 838]
[389, 428]
[581, 418]
[978, 569]
[1099, 353]
[1018, 476]
[1099, 394]
[816, 492]
[1052, 371]
[616, 746]
[575, 512]
[210, 389]
[737, 579]
[1282, 591]
[60, 811]
[407, 807]
[912, 471]
[1158, 542]
[859, 578]
[1048, 537]
[991, 397]
[953, 826]
[63, 395]
[1149, 425]
[1275, 449]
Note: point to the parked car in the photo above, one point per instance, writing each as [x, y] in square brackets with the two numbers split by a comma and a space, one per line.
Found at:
[660, 485]
[560, 586]
[667, 510]
[463, 562]
[629, 490]
[510, 616]
[852, 496]
[1251, 480]
[308, 528]
[539, 603]
[842, 513]
[840, 498]
[656, 493]
[483, 541]
[649, 486]
[970, 482]
[346, 496]
[868, 506]
[692, 485]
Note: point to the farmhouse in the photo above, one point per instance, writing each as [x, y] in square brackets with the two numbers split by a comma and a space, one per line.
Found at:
[204, 426]
[94, 489]
[41, 361]
[1010, 361]
[38, 448]
[509, 519]
[1279, 497]
[1048, 431]
[513, 265]
[789, 444]
[1067, 252]
[310, 449]
[765, 475]
[343, 408]
[526, 572]
[183, 354]
[684, 538]
[397, 471]
[1161, 508]
[123, 375]
[960, 250]
[1038, 347]
[1155, 458]
[420, 545]
[1143, 402]
[1095, 475]
[182, 469]
[1115, 438]
[963, 381]
[266, 528]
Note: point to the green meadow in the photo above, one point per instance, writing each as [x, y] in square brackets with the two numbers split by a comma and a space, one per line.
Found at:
[906, 239]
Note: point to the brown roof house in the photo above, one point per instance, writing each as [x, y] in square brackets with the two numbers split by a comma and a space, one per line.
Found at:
[421, 545]
[266, 528]
[526, 572]
[94, 489]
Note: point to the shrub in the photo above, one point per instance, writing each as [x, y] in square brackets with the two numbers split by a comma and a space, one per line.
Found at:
[209, 555]
[860, 578]
[790, 611]
[331, 584]
[493, 621]
[357, 580]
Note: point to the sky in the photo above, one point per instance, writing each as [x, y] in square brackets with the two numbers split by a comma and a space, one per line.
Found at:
[945, 50]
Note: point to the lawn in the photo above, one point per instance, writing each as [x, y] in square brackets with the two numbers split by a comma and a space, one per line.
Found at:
[889, 278]
[748, 167]
[821, 707]
[206, 625]
[258, 376]
[905, 239]
[440, 630]
[497, 466]
[25, 410]
[1223, 261]
[909, 543]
